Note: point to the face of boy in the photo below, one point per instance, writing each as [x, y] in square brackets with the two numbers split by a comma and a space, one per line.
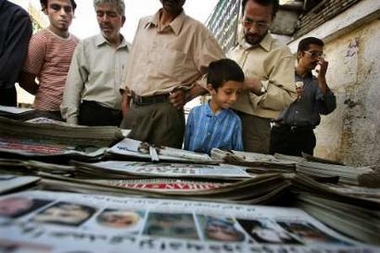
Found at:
[60, 14]
[226, 95]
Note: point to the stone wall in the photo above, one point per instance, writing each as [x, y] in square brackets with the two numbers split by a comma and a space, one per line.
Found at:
[351, 134]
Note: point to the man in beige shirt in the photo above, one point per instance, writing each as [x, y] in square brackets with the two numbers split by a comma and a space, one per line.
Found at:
[170, 53]
[268, 66]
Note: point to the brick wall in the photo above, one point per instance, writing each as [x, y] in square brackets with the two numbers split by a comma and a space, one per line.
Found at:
[319, 14]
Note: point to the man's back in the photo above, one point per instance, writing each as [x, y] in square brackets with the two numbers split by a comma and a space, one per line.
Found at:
[15, 32]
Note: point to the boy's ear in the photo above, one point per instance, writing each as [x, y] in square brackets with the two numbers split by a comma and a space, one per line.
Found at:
[210, 89]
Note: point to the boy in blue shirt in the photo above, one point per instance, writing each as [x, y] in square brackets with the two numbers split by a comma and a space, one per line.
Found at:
[214, 124]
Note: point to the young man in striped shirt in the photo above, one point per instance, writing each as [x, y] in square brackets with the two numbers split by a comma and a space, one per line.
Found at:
[214, 124]
[48, 59]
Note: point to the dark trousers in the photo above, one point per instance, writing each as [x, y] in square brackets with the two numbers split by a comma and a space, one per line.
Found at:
[292, 141]
[8, 97]
[93, 114]
[256, 133]
[157, 123]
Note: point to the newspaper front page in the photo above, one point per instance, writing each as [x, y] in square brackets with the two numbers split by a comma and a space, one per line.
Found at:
[41, 221]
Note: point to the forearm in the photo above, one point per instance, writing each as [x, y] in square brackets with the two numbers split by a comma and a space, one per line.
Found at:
[28, 82]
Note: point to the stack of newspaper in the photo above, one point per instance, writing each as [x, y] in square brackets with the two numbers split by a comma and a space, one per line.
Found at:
[54, 139]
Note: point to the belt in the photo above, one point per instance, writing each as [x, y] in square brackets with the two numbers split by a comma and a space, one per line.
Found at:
[148, 100]
[294, 128]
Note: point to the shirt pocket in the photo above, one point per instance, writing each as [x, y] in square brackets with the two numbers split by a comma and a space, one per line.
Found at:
[171, 63]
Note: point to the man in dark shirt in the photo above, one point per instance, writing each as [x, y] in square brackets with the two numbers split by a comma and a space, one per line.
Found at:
[293, 131]
[15, 32]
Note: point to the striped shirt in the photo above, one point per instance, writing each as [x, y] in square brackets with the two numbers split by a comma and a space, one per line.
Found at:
[49, 58]
[205, 130]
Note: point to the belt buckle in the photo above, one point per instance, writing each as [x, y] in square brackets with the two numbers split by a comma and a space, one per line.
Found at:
[138, 100]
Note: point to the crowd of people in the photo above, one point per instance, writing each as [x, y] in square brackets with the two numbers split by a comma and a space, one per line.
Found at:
[263, 99]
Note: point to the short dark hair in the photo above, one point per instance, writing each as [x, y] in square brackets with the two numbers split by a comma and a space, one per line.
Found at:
[305, 43]
[222, 71]
[275, 4]
[44, 4]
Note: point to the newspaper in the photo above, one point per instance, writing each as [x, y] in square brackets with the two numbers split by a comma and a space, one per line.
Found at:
[10, 182]
[68, 222]
[126, 168]
[128, 148]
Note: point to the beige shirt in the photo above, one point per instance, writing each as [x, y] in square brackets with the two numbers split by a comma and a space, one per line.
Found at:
[273, 63]
[163, 58]
[96, 72]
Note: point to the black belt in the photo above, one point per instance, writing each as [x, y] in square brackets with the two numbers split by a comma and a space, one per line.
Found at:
[294, 128]
[148, 100]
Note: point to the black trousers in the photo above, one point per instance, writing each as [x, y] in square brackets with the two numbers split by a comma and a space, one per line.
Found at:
[292, 141]
[8, 97]
[93, 114]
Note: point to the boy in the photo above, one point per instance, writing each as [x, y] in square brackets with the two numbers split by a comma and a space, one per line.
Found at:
[48, 59]
[215, 125]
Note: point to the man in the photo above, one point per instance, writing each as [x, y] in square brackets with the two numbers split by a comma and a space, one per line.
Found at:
[96, 73]
[170, 53]
[49, 56]
[293, 132]
[268, 66]
[15, 33]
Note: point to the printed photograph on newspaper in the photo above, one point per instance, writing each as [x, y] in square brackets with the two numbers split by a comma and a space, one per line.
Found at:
[42, 221]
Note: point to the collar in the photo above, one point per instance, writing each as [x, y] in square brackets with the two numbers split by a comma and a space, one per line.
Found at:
[308, 75]
[208, 112]
[265, 43]
[100, 41]
[175, 25]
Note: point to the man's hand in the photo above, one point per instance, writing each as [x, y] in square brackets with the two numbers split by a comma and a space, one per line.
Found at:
[323, 64]
[125, 100]
[178, 98]
[253, 85]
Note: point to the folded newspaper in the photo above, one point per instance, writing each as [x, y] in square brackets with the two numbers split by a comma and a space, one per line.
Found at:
[68, 222]
[134, 149]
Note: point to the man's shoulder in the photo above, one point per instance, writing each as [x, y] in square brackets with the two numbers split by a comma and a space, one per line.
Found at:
[14, 9]
[278, 45]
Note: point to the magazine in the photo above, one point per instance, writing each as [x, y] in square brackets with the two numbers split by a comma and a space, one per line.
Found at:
[67, 222]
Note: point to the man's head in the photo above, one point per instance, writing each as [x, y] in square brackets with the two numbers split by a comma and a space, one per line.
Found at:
[173, 6]
[309, 52]
[257, 17]
[225, 80]
[44, 4]
[60, 14]
[111, 17]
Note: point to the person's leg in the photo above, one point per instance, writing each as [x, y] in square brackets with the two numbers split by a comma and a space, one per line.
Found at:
[159, 124]
[308, 142]
[8, 97]
[284, 141]
[93, 114]
[256, 133]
